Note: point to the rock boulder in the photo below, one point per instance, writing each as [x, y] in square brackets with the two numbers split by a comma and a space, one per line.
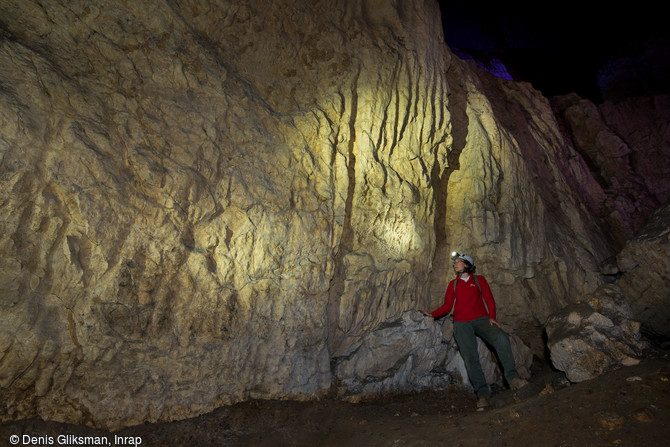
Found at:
[588, 338]
[644, 266]
[415, 353]
[396, 356]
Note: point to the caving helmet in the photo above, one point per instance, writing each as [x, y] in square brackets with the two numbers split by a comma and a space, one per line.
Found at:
[469, 262]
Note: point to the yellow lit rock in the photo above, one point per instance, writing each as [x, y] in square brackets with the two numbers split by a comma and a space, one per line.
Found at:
[206, 202]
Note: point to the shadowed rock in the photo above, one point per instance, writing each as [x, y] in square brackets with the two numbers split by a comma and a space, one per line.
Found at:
[589, 338]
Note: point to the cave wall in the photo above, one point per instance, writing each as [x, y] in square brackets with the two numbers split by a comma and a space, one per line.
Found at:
[626, 145]
[513, 202]
[205, 202]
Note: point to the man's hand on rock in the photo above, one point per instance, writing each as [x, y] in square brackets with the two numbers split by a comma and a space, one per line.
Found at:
[492, 321]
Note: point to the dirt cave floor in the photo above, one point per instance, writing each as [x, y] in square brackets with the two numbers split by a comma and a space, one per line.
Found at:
[629, 406]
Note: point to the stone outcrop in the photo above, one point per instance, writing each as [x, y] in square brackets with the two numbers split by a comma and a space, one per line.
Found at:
[205, 202]
[396, 356]
[591, 337]
[625, 145]
[415, 353]
[644, 266]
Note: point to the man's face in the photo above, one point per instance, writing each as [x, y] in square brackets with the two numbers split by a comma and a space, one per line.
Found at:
[459, 265]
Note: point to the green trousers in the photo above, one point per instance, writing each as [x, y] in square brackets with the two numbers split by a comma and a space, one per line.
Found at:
[465, 334]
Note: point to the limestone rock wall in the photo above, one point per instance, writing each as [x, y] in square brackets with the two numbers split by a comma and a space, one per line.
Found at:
[513, 202]
[205, 202]
[626, 145]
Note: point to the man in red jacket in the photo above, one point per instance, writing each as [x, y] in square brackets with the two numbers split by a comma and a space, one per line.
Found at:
[474, 310]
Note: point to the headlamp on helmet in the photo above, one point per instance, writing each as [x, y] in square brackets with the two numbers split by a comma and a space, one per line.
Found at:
[455, 255]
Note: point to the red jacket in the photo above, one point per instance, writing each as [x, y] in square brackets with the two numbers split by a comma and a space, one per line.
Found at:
[469, 303]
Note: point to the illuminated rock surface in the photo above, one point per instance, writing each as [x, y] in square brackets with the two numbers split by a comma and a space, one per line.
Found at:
[206, 202]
